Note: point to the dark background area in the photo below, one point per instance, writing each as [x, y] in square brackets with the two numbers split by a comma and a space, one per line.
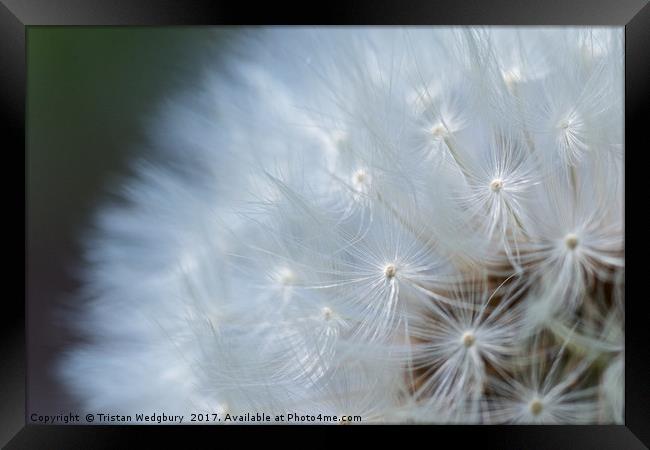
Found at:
[90, 92]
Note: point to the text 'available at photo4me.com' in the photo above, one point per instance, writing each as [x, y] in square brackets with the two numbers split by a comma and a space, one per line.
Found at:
[164, 418]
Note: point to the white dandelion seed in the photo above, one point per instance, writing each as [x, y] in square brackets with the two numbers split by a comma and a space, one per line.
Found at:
[575, 239]
[549, 391]
[456, 341]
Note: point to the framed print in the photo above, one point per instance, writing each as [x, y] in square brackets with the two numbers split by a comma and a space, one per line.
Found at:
[406, 218]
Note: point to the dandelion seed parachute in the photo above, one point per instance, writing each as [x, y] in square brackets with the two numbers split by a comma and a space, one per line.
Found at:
[374, 222]
[548, 391]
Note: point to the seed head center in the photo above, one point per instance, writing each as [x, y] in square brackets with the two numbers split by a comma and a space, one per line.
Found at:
[496, 185]
[536, 406]
[286, 277]
[468, 339]
[359, 177]
[390, 271]
[327, 313]
[439, 130]
[571, 241]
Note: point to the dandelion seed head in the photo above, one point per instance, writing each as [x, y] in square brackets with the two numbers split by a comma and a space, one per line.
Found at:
[390, 271]
[571, 241]
[360, 179]
[285, 276]
[468, 339]
[496, 185]
[536, 406]
[439, 131]
[371, 221]
[326, 313]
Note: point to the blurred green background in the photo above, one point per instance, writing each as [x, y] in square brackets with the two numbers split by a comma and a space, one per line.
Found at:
[89, 90]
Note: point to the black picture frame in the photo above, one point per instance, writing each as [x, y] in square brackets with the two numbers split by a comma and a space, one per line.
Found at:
[634, 15]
